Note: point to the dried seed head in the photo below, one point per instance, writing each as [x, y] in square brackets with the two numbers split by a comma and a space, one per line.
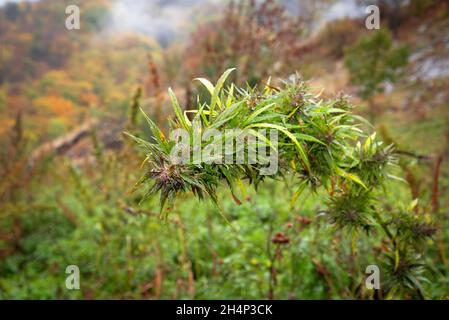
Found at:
[424, 229]
[304, 221]
[280, 238]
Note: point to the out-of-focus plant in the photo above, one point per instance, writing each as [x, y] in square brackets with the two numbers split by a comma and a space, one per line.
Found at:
[321, 146]
[372, 61]
[338, 34]
[260, 37]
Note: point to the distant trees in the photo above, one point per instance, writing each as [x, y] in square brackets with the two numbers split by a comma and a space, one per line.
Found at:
[372, 61]
[57, 77]
[32, 46]
[394, 11]
[12, 11]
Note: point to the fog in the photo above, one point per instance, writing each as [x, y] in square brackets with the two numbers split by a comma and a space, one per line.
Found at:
[161, 19]
[168, 20]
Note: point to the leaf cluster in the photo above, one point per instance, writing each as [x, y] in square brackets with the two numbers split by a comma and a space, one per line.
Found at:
[321, 142]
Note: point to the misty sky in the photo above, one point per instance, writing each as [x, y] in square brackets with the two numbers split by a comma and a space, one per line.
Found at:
[339, 9]
[2, 2]
[165, 19]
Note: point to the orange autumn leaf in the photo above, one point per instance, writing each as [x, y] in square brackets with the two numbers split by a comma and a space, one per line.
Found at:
[55, 105]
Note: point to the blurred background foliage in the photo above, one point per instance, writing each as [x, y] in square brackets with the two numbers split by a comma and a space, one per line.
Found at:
[66, 171]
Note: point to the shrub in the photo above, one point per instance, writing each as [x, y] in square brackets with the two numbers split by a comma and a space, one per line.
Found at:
[337, 35]
[372, 61]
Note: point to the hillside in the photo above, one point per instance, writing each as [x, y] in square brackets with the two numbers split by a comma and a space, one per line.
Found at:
[69, 191]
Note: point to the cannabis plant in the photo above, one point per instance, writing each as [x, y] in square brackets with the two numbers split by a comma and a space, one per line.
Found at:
[321, 145]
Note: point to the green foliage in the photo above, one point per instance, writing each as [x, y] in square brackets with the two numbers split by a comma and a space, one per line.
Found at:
[317, 141]
[335, 207]
[352, 211]
[373, 60]
[3, 97]
[321, 146]
[96, 17]
[56, 128]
